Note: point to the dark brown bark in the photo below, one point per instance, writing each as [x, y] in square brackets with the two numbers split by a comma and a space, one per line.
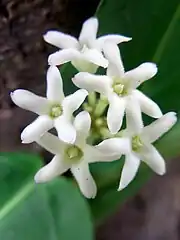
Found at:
[23, 53]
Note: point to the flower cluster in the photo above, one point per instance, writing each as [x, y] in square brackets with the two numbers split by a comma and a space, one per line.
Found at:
[95, 134]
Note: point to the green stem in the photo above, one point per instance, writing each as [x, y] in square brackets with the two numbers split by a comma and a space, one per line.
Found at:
[100, 108]
[92, 99]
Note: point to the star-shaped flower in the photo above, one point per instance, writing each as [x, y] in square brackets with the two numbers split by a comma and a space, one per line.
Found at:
[55, 110]
[84, 53]
[120, 89]
[142, 148]
[77, 156]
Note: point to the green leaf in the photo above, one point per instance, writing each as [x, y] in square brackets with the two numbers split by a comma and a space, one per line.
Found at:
[154, 28]
[165, 87]
[67, 72]
[48, 211]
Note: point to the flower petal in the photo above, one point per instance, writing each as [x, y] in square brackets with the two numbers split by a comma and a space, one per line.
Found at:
[112, 53]
[96, 57]
[55, 168]
[115, 113]
[54, 85]
[114, 146]
[51, 143]
[88, 32]
[129, 170]
[153, 159]
[85, 180]
[61, 40]
[82, 123]
[148, 106]
[66, 131]
[83, 65]
[134, 122]
[112, 38]
[63, 56]
[140, 74]
[36, 129]
[93, 83]
[159, 127]
[72, 102]
[29, 101]
[94, 154]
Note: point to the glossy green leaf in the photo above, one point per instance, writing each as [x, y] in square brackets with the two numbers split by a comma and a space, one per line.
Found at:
[67, 72]
[48, 211]
[154, 28]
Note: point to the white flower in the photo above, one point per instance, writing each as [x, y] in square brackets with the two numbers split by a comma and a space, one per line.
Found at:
[77, 157]
[84, 53]
[142, 148]
[55, 110]
[120, 89]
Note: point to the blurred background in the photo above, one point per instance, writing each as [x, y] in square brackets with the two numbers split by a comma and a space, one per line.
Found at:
[154, 213]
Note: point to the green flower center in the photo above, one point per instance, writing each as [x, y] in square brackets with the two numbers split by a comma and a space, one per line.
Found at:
[56, 111]
[119, 89]
[137, 143]
[74, 153]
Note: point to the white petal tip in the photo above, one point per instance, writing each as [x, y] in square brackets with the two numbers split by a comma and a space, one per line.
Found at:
[162, 172]
[127, 39]
[51, 61]
[42, 176]
[151, 68]
[92, 196]
[114, 129]
[24, 138]
[38, 177]
[173, 115]
[121, 188]
[158, 114]
[14, 95]
[92, 19]
[45, 37]
[49, 36]
[36, 180]
[121, 39]
[170, 118]
[24, 142]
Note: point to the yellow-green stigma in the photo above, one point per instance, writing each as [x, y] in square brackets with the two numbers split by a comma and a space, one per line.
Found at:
[136, 143]
[56, 111]
[119, 89]
[74, 153]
